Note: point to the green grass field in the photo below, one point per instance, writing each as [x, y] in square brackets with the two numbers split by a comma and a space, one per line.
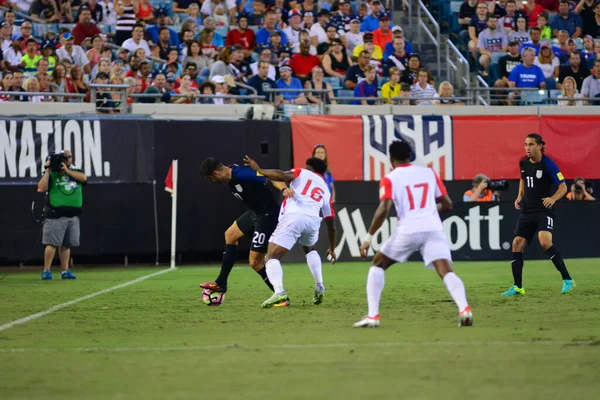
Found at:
[155, 339]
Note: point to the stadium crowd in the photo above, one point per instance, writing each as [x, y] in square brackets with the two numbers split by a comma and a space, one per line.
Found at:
[187, 48]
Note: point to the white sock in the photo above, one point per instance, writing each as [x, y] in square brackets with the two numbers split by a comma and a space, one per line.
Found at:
[375, 283]
[313, 260]
[275, 274]
[457, 290]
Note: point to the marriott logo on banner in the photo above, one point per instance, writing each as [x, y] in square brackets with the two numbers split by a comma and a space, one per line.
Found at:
[430, 137]
[460, 229]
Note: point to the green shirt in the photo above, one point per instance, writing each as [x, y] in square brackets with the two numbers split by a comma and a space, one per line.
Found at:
[64, 191]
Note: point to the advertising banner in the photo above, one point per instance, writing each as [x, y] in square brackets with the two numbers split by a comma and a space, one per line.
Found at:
[456, 148]
[107, 150]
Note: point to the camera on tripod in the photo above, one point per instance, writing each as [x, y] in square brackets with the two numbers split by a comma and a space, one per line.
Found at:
[501, 185]
[56, 161]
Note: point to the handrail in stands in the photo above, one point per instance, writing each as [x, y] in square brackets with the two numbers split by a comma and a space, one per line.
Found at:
[25, 16]
[483, 84]
[423, 27]
[458, 71]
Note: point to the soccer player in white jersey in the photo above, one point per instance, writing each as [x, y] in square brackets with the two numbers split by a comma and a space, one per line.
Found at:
[414, 191]
[299, 221]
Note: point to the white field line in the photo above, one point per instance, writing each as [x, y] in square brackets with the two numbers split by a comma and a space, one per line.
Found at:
[297, 346]
[70, 303]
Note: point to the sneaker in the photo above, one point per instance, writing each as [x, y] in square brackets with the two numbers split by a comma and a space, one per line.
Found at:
[67, 275]
[319, 294]
[276, 300]
[514, 291]
[214, 286]
[568, 285]
[368, 322]
[47, 276]
[465, 317]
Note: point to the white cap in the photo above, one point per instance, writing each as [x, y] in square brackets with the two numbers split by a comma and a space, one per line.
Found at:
[217, 79]
[396, 28]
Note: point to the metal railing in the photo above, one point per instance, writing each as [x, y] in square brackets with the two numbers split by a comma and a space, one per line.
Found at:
[401, 100]
[196, 97]
[520, 96]
[408, 5]
[47, 96]
[435, 38]
[21, 14]
[481, 83]
[458, 68]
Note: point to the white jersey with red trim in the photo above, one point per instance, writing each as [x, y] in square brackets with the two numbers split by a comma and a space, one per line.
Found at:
[414, 190]
[311, 195]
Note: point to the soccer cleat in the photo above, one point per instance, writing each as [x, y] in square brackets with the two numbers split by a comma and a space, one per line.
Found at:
[277, 300]
[568, 285]
[67, 275]
[319, 294]
[514, 291]
[47, 276]
[465, 317]
[368, 322]
[214, 286]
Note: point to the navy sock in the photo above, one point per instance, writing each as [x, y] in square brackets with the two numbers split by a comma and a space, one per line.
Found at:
[558, 262]
[263, 275]
[229, 258]
[517, 269]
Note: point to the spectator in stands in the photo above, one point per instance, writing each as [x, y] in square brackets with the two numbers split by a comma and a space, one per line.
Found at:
[479, 191]
[303, 62]
[195, 55]
[191, 69]
[85, 28]
[317, 83]
[325, 47]
[42, 68]
[6, 85]
[446, 94]
[466, 13]
[9, 17]
[356, 72]
[30, 58]
[371, 22]
[158, 87]
[366, 87]
[95, 10]
[125, 10]
[243, 36]
[476, 26]
[73, 52]
[206, 44]
[262, 36]
[45, 10]
[579, 192]
[144, 12]
[535, 43]
[569, 92]
[137, 40]
[257, 16]
[526, 75]
[292, 31]
[163, 46]
[5, 36]
[48, 54]
[275, 45]
[520, 34]
[336, 62]
[304, 35]
[26, 34]
[389, 47]
[218, 39]
[31, 85]
[341, 19]
[508, 20]
[17, 85]
[507, 63]
[575, 68]
[13, 55]
[320, 152]
[185, 88]
[549, 64]
[566, 20]
[561, 49]
[308, 20]
[187, 37]
[265, 54]
[193, 12]
[542, 24]
[491, 40]
[207, 88]
[422, 89]
[588, 55]
[317, 31]
[585, 8]
[391, 89]
[95, 53]
[141, 54]
[287, 81]
[532, 10]
[182, 7]
[354, 37]
[399, 59]
[376, 52]
[109, 15]
[162, 19]
[410, 74]
[383, 35]
[261, 80]
[133, 65]
[44, 85]
[59, 80]
[591, 85]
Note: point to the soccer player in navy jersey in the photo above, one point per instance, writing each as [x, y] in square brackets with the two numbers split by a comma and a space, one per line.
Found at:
[536, 203]
[258, 222]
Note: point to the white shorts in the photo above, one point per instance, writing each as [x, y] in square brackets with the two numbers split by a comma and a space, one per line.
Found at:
[432, 245]
[294, 228]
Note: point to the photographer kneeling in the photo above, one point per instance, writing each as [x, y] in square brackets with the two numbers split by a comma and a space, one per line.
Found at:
[485, 190]
[64, 184]
[580, 190]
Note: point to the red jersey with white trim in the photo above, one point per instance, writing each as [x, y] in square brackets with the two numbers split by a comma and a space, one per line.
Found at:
[414, 190]
[311, 195]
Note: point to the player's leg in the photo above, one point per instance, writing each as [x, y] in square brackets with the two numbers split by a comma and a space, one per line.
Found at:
[275, 273]
[232, 235]
[264, 227]
[313, 260]
[257, 262]
[375, 285]
[526, 228]
[546, 225]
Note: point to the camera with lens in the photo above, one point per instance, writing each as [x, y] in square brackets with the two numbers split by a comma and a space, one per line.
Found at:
[56, 161]
[578, 187]
[498, 185]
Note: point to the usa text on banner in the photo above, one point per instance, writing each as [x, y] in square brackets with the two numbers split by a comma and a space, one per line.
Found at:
[430, 137]
[342, 136]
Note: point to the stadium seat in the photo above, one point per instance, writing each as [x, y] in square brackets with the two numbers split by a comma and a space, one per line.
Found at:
[381, 81]
[553, 94]
[537, 97]
[345, 93]
[333, 81]
[579, 43]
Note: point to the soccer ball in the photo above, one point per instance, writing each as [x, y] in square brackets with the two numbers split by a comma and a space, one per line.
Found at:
[212, 298]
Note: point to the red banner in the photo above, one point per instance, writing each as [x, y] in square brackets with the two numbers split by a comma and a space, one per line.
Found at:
[457, 147]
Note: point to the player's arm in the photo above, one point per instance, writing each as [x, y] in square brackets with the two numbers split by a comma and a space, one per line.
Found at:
[520, 195]
[559, 181]
[378, 219]
[444, 203]
[331, 235]
[272, 174]
[283, 188]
